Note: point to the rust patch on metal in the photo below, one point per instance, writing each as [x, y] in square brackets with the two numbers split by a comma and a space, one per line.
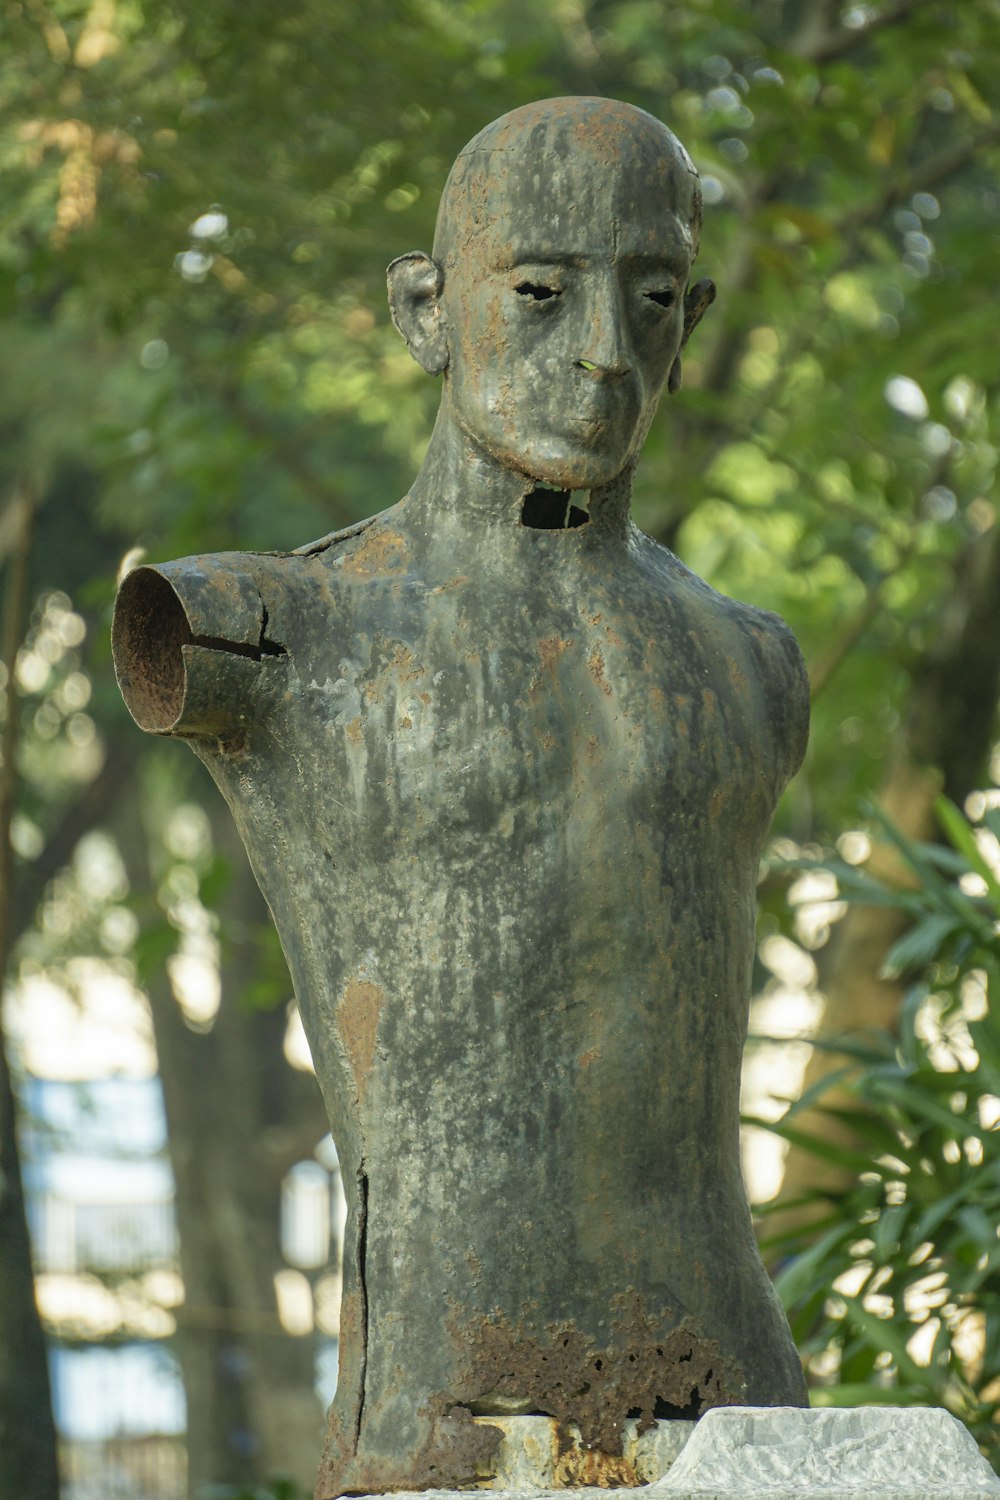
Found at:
[404, 663]
[586, 1058]
[378, 552]
[344, 1419]
[642, 1372]
[357, 1021]
[459, 1453]
[551, 649]
[596, 664]
[453, 583]
[355, 733]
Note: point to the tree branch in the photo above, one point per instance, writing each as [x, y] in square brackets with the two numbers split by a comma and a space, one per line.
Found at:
[286, 456]
[92, 807]
[820, 44]
[919, 178]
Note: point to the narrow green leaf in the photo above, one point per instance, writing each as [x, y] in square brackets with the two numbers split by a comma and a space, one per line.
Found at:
[926, 1227]
[888, 1230]
[841, 1155]
[884, 1335]
[959, 831]
[808, 1272]
[916, 948]
[918, 862]
[866, 1394]
[921, 1104]
[978, 1227]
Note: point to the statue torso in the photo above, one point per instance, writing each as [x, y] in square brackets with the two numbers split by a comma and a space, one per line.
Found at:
[507, 801]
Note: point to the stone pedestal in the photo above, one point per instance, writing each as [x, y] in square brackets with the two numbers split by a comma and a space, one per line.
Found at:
[782, 1453]
[751, 1453]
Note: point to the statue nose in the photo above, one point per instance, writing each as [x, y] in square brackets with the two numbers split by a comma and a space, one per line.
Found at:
[605, 349]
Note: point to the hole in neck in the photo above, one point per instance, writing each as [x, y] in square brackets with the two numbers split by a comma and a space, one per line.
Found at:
[547, 509]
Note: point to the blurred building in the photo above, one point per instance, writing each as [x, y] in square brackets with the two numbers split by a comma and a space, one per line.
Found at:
[100, 1203]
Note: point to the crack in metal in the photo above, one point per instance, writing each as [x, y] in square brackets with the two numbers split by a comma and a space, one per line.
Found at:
[362, 1251]
[265, 647]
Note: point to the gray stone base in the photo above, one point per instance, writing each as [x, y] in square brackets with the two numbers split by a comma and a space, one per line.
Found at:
[902, 1452]
[752, 1453]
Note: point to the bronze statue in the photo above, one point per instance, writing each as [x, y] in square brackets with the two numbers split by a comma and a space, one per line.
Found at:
[504, 768]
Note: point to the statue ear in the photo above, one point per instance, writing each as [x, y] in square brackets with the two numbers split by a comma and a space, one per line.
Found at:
[415, 285]
[697, 300]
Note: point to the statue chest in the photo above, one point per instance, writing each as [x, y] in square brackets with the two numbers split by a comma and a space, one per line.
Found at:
[438, 718]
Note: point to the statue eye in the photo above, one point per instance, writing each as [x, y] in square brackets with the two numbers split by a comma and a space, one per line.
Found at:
[536, 291]
[664, 298]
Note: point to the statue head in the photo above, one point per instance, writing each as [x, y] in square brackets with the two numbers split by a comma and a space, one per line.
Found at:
[556, 302]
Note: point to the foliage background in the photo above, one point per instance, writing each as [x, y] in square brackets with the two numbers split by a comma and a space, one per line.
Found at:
[199, 203]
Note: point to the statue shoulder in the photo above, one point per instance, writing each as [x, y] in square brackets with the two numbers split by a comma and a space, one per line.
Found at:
[781, 671]
[757, 642]
[332, 540]
[197, 642]
[379, 548]
[189, 639]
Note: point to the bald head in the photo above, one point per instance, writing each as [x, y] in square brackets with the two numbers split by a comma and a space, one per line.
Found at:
[549, 162]
[557, 301]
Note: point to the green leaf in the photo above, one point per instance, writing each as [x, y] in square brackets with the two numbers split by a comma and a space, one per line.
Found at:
[915, 856]
[885, 1336]
[959, 831]
[981, 1230]
[920, 1103]
[916, 948]
[869, 1125]
[808, 1271]
[927, 1226]
[841, 1155]
[867, 1394]
[888, 1230]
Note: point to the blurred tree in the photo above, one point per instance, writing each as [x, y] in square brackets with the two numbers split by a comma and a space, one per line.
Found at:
[200, 202]
[28, 1454]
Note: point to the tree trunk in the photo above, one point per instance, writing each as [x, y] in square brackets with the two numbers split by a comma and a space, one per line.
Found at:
[28, 1450]
[28, 1461]
[238, 1118]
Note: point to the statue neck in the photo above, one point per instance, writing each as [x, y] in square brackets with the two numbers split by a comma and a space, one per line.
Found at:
[459, 482]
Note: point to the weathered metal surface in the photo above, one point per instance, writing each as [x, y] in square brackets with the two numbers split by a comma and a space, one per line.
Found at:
[504, 768]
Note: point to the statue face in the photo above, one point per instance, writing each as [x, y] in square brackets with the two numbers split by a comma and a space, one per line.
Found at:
[564, 297]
